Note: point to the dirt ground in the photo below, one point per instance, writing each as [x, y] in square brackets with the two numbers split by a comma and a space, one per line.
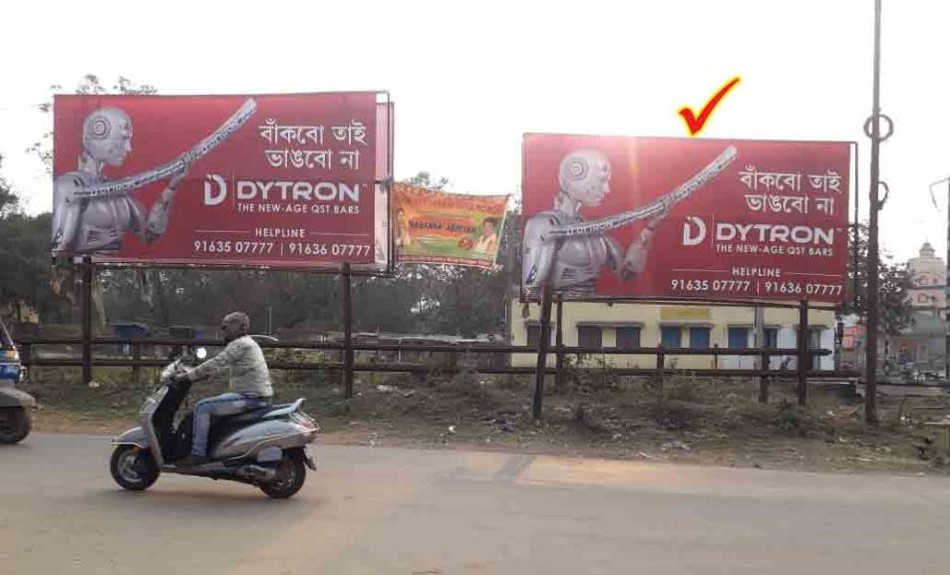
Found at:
[690, 420]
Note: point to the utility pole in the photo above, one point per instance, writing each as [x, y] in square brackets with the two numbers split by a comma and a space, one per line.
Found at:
[872, 128]
[946, 284]
[946, 297]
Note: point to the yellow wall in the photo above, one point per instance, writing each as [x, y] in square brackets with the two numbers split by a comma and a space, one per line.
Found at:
[652, 316]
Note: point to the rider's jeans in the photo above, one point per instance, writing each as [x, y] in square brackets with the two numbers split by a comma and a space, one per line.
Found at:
[218, 406]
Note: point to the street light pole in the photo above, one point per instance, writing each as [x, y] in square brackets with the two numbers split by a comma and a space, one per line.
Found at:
[946, 286]
[946, 297]
[872, 128]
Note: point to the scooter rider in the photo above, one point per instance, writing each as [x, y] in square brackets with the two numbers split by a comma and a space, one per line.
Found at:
[249, 383]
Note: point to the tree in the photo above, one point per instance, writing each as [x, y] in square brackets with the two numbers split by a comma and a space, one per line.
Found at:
[444, 299]
[9, 202]
[24, 260]
[895, 280]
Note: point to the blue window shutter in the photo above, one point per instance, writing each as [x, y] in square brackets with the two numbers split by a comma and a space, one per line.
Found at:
[671, 336]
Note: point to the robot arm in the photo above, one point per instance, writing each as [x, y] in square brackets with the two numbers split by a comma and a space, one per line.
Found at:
[157, 222]
[615, 256]
[67, 213]
[636, 257]
[538, 254]
[180, 165]
[656, 209]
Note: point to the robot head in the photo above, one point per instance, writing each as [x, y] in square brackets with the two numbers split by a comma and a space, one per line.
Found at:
[107, 135]
[584, 176]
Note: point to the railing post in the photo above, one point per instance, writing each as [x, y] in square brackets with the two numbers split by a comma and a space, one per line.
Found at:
[661, 368]
[559, 343]
[764, 379]
[136, 357]
[347, 333]
[803, 354]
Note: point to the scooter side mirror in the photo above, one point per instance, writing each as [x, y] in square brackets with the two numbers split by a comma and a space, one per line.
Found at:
[201, 353]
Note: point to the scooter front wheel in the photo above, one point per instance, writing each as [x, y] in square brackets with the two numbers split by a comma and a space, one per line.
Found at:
[15, 424]
[133, 468]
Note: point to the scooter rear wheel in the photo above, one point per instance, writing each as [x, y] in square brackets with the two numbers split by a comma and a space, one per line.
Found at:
[291, 473]
[133, 468]
[15, 424]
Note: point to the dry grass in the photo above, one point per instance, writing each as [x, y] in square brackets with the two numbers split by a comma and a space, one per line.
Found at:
[697, 420]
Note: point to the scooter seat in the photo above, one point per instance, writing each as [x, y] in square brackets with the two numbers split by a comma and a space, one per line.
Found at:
[267, 412]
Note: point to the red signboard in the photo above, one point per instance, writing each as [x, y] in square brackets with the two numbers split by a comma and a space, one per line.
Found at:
[275, 180]
[851, 335]
[673, 217]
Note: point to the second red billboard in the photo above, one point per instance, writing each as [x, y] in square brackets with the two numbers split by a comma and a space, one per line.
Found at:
[277, 180]
[674, 217]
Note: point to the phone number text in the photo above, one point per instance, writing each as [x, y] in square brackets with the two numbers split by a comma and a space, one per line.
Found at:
[705, 285]
[293, 249]
[759, 287]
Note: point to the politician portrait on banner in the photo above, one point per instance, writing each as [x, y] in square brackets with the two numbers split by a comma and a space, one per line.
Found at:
[278, 180]
[662, 217]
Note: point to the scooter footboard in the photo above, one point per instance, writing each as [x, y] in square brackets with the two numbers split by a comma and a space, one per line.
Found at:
[13, 397]
[262, 435]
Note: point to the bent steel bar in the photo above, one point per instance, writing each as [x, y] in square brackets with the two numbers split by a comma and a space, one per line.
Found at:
[657, 207]
[229, 127]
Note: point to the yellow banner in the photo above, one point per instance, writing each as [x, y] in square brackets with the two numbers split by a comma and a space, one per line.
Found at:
[435, 227]
[682, 312]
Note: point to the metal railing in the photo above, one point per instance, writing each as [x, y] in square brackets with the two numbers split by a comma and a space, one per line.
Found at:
[452, 354]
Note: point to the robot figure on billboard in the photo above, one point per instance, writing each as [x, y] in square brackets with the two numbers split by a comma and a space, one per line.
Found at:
[574, 263]
[91, 213]
[566, 253]
[97, 224]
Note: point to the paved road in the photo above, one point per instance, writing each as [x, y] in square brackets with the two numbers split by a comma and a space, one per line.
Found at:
[380, 511]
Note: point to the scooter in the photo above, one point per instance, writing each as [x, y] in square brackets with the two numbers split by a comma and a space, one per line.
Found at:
[264, 447]
[15, 404]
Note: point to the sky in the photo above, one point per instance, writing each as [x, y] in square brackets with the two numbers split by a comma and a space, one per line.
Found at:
[469, 79]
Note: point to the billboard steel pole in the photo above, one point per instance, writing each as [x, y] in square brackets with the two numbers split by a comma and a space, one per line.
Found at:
[559, 341]
[804, 357]
[86, 320]
[544, 344]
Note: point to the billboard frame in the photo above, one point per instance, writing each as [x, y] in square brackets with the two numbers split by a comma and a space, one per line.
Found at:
[382, 181]
[854, 189]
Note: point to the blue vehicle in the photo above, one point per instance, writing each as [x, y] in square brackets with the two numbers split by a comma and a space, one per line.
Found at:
[14, 403]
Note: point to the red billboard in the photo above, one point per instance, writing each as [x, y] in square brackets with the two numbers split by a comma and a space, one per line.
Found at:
[273, 180]
[677, 217]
